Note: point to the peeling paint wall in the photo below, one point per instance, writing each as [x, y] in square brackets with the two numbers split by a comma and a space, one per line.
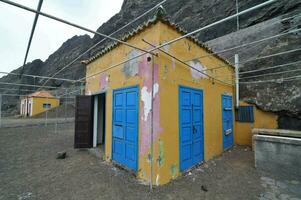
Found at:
[136, 72]
[172, 74]
[168, 75]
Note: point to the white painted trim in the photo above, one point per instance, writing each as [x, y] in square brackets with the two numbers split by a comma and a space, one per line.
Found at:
[95, 120]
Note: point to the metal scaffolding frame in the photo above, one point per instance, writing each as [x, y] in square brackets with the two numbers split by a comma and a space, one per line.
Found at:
[154, 48]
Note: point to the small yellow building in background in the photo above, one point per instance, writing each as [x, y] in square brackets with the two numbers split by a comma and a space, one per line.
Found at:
[37, 103]
[156, 115]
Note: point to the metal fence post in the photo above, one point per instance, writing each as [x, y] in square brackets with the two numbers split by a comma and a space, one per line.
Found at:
[237, 80]
[0, 110]
[46, 114]
[55, 127]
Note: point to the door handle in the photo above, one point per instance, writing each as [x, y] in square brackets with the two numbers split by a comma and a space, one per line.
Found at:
[193, 129]
[228, 131]
[118, 125]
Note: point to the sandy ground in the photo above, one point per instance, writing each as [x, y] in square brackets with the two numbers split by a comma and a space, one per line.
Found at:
[26, 122]
[29, 170]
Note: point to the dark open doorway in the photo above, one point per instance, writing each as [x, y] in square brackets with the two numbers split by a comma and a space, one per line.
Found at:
[99, 121]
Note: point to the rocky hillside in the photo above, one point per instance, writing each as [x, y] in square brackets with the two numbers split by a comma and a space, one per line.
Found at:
[190, 14]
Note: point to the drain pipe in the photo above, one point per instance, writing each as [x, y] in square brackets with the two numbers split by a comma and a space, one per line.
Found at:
[236, 58]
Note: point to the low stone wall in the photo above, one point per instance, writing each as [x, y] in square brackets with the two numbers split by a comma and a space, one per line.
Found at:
[278, 151]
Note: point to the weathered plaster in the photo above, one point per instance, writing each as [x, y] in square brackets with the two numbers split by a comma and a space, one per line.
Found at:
[196, 64]
[161, 158]
[145, 70]
[103, 81]
[131, 68]
[173, 170]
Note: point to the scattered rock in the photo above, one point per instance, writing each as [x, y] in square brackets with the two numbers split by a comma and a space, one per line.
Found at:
[61, 155]
[204, 188]
[268, 181]
[200, 169]
[189, 174]
[284, 197]
[281, 184]
[295, 182]
[25, 196]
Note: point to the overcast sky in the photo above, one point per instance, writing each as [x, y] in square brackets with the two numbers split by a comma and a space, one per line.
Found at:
[15, 27]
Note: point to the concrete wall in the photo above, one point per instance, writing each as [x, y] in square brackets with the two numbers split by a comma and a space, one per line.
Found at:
[277, 154]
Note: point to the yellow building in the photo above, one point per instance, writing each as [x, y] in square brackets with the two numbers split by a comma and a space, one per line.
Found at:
[37, 102]
[157, 115]
[261, 119]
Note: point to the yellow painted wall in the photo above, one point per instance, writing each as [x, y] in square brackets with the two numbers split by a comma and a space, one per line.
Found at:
[262, 119]
[169, 74]
[117, 78]
[172, 75]
[37, 105]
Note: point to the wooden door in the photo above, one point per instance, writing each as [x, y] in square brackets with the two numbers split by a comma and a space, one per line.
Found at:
[83, 137]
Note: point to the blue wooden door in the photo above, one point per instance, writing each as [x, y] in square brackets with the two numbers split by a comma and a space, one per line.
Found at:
[227, 120]
[125, 127]
[191, 127]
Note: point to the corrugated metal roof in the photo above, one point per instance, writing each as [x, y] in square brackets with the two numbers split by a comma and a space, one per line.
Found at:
[159, 16]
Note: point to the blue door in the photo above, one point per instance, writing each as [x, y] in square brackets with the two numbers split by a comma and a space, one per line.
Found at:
[191, 127]
[227, 119]
[125, 127]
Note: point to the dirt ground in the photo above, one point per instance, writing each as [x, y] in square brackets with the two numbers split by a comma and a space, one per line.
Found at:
[29, 170]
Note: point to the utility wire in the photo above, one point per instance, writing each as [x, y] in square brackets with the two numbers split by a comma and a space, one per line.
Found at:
[268, 68]
[72, 24]
[247, 44]
[95, 45]
[280, 80]
[191, 67]
[14, 89]
[271, 55]
[27, 85]
[183, 36]
[269, 74]
[37, 76]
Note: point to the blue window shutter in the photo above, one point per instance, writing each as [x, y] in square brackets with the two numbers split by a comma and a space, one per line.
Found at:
[245, 114]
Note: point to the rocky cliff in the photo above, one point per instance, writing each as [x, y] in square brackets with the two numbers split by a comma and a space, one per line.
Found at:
[192, 14]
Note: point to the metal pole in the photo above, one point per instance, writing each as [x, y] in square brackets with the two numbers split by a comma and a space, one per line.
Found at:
[82, 89]
[66, 99]
[236, 58]
[152, 126]
[237, 18]
[46, 114]
[55, 127]
[0, 110]
[32, 32]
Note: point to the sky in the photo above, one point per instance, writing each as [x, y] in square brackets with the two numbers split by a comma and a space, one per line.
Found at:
[16, 24]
